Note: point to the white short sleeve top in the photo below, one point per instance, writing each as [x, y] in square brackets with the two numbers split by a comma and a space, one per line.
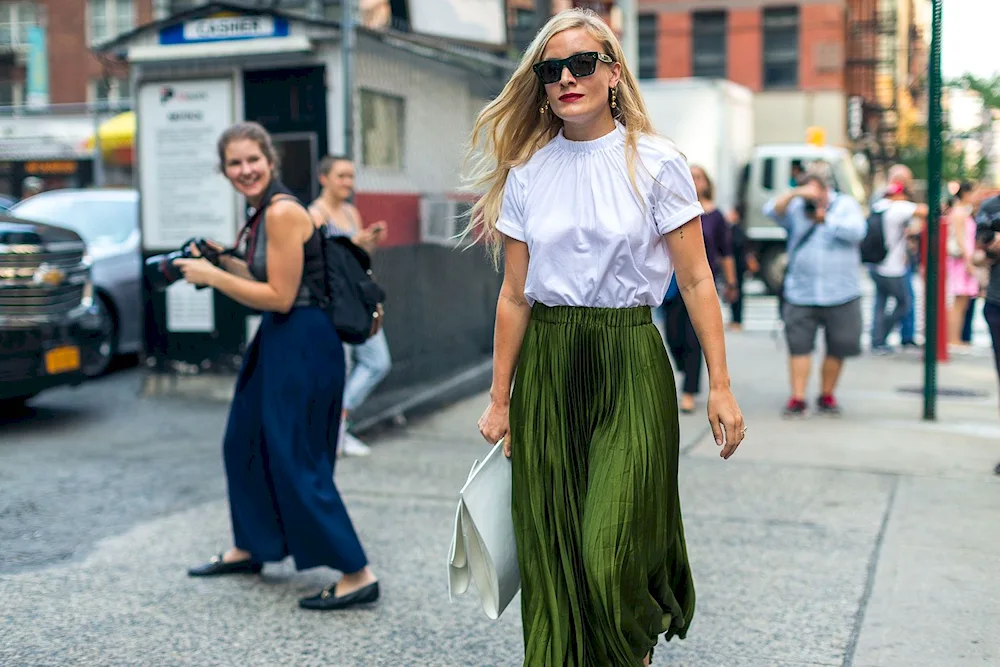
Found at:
[592, 240]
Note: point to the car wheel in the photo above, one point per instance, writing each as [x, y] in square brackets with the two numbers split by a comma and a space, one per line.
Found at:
[104, 344]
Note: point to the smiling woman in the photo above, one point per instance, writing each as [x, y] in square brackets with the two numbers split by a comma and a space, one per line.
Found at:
[282, 496]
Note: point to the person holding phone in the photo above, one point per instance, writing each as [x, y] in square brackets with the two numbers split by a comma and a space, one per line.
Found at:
[369, 362]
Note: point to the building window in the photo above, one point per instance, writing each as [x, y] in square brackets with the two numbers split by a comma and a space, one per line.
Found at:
[109, 18]
[709, 44]
[109, 90]
[381, 130]
[15, 19]
[781, 47]
[524, 28]
[647, 46]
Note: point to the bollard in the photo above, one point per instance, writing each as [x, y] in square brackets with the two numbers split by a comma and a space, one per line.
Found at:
[942, 309]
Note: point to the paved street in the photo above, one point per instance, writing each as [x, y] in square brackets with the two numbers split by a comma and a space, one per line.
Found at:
[865, 541]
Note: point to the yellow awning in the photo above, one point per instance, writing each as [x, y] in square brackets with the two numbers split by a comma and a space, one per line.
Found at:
[117, 136]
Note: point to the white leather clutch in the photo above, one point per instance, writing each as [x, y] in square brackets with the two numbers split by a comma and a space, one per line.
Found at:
[483, 548]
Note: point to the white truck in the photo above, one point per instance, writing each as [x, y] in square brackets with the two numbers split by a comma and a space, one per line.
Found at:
[712, 122]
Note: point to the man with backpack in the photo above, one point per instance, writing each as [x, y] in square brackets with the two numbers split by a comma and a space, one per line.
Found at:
[822, 284]
[893, 221]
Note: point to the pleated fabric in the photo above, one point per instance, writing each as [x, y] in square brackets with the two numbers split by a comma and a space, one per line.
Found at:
[595, 445]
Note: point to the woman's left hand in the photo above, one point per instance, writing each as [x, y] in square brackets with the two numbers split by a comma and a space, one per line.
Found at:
[726, 419]
[197, 271]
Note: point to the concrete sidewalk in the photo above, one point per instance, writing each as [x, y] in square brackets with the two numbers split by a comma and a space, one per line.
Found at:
[866, 540]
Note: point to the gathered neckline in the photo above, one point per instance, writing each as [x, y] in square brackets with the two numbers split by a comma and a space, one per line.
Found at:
[609, 140]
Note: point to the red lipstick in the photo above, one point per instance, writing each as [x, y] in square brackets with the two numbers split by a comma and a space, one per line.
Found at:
[570, 97]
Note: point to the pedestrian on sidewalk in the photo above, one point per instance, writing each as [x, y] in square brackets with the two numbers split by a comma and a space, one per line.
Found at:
[593, 212]
[902, 219]
[368, 363]
[900, 174]
[682, 340]
[961, 281]
[279, 470]
[822, 284]
[989, 243]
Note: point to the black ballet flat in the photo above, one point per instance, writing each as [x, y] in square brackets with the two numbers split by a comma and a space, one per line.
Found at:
[217, 566]
[325, 600]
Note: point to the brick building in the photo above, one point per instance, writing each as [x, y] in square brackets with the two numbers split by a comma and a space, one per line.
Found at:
[75, 75]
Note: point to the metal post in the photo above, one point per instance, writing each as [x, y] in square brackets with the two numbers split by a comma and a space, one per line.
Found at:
[99, 179]
[630, 33]
[347, 55]
[934, 149]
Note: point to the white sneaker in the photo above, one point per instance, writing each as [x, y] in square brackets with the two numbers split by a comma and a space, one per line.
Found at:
[351, 446]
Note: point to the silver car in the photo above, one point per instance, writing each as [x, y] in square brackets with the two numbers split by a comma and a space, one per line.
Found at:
[108, 221]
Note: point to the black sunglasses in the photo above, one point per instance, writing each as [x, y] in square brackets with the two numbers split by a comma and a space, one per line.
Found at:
[579, 64]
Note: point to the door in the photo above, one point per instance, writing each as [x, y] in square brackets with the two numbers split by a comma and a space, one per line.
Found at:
[291, 104]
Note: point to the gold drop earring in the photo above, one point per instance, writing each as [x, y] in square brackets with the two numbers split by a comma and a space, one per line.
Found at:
[614, 99]
[544, 108]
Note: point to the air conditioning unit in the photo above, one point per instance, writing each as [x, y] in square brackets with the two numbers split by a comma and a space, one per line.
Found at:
[443, 219]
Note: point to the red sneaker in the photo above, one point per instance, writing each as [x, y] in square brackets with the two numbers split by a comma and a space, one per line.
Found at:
[795, 408]
[827, 405]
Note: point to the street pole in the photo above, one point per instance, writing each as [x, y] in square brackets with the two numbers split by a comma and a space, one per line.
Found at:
[98, 174]
[934, 150]
[630, 33]
[347, 56]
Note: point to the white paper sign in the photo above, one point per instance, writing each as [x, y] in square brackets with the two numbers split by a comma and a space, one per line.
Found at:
[183, 193]
[190, 309]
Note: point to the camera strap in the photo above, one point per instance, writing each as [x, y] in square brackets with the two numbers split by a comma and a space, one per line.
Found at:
[250, 228]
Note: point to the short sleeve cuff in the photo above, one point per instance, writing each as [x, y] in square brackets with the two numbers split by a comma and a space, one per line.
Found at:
[511, 230]
[679, 218]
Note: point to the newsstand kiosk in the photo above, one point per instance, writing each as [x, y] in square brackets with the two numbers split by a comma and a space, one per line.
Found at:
[199, 71]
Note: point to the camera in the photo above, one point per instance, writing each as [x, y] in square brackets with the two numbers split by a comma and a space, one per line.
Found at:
[809, 207]
[988, 220]
[160, 270]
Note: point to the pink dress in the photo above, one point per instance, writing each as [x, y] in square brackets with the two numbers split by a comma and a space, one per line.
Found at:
[961, 282]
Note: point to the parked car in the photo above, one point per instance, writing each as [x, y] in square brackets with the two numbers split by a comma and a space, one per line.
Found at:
[49, 327]
[108, 221]
[6, 201]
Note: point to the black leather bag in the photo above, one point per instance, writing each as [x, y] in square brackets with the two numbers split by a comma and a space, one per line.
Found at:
[352, 297]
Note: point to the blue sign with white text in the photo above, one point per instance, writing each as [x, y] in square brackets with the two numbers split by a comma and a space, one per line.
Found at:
[224, 28]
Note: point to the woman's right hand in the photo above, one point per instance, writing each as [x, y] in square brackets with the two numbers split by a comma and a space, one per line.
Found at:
[495, 424]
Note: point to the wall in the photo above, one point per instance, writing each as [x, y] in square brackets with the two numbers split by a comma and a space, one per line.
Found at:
[781, 117]
[822, 32]
[440, 109]
[71, 64]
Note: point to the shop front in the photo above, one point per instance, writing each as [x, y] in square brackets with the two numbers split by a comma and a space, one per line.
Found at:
[415, 101]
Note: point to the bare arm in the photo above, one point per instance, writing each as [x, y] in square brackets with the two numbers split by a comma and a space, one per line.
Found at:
[288, 227]
[513, 313]
[686, 246]
[778, 206]
[956, 229]
[365, 238]
[235, 266]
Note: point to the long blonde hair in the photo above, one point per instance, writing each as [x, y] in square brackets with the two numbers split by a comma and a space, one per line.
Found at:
[509, 130]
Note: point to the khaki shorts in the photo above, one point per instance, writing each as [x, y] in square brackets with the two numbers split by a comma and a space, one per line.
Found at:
[841, 324]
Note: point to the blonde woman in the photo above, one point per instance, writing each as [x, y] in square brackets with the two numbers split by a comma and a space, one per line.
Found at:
[594, 213]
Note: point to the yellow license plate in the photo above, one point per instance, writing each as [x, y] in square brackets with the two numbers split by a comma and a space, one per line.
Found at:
[62, 359]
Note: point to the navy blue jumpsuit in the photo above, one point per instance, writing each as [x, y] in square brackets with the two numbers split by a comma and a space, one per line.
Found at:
[279, 466]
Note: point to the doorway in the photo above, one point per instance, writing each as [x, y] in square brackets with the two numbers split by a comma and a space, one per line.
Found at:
[291, 104]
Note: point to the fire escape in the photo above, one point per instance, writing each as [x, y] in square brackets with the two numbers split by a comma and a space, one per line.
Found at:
[872, 46]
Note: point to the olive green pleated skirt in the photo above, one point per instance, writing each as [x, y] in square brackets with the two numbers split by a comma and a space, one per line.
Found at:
[594, 436]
